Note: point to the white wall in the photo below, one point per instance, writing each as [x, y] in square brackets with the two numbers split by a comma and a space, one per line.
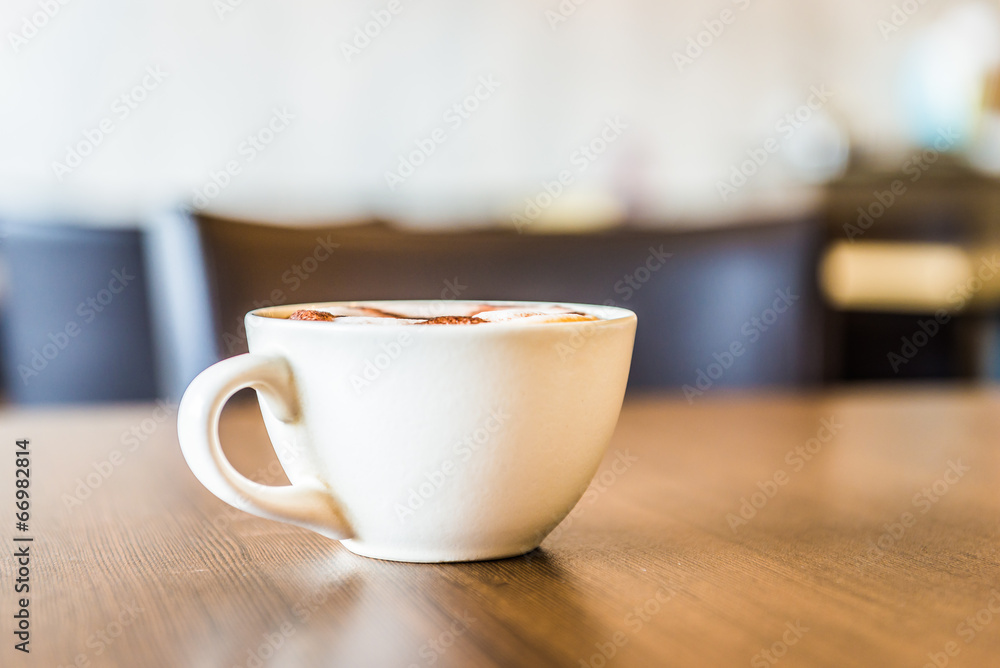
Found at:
[609, 59]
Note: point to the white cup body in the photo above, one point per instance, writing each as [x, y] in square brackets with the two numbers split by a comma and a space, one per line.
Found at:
[447, 443]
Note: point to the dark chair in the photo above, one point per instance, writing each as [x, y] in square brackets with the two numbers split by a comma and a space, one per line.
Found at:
[693, 307]
[74, 315]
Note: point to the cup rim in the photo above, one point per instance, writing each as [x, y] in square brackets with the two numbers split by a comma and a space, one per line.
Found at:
[279, 313]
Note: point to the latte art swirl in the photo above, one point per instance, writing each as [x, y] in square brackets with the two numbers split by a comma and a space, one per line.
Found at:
[481, 314]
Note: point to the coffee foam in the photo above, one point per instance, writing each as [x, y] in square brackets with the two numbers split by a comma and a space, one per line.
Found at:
[512, 315]
[372, 320]
[476, 314]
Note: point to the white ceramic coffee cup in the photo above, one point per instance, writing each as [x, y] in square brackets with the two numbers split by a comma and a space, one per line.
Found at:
[425, 443]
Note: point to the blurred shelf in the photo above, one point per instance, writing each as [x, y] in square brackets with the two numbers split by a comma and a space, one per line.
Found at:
[910, 277]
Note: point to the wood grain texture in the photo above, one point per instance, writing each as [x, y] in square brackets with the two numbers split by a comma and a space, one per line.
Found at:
[648, 559]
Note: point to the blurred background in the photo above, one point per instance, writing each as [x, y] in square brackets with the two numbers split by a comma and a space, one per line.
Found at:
[788, 194]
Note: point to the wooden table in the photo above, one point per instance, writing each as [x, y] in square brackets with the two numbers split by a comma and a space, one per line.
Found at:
[869, 537]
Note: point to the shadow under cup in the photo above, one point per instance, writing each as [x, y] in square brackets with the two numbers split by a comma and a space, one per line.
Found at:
[429, 443]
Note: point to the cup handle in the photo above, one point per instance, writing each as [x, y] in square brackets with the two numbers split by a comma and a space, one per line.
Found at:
[307, 504]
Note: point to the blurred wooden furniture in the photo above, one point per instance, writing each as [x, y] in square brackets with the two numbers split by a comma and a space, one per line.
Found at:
[834, 530]
[904, 246]
[692, 305]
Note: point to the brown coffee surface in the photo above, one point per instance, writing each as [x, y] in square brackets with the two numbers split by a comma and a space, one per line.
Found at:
[307, 314]
[453, 320]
